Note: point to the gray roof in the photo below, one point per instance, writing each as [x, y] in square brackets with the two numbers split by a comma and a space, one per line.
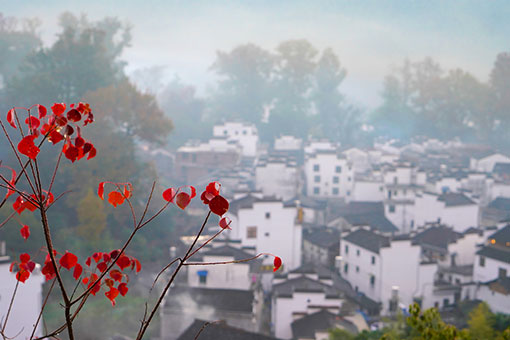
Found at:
[322, 237]
[311, 268]
[231, 300]
[374, 220]
[452, 199]
[368, 239]
[219, 331]
[304, 284]
[437, 237]
[495, 253]
[500, 203]
[247, 202]
[322, 320]
[501, 284]
[501, 168]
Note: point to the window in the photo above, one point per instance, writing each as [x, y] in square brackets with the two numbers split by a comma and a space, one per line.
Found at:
[357, 269]
[482, 261]
[336, 179]
[268, 215]
[316, 190]
[457, 281]
[392, 209]
[317, 179]
[347, 249]
[245, 132]
[338, 169]
[395, 193]
[501, 272]
[202, 276]
[251, 232]
[373, 259]
[348, 193]
[335, 191]
[349, 178]
[381, 189]
[446, 303]
[225, 132]
[316, 167]
[346, 268]
[412, 223]
[357, 252]
[266, 234]
[436, 304]
[395, 180]
[372, 280]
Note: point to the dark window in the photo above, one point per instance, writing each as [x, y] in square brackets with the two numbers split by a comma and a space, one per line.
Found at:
[245, 132]
[482, 261]
[502, 272]
[336, 179]
[373, 259]
[392, 208]
[316, 191]
[457, 281]
[349, 178]
[446, 303]
[357, 252]
[357, 269]
[335, 191]
[316, 167]
[225, 132]
[251, 232]
[395, 180]
[202, 276]
[346, 268]
[436, 304]
[317, 179]
[268, 215]
[266, 234]
[338, 169]
[348, 193]
[372, 280]
[347, 249]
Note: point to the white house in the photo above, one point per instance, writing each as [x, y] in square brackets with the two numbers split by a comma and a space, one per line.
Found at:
[493, 259]
[27, 302]
[496, 293]
[268, 225]
[328, 174]
[367, 189]
[288, 143]
[313, 146]
[277, 176]
[486, 162]
[374, 265]
[454, 209]
[359, 159]
[244, 133]
[298, 296]
[234, 276]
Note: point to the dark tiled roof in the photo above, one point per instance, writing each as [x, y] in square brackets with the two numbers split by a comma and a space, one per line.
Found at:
[502, 236]
[247, 202]
[303, 284]
[501, 285]
[322, 237]
[232, 300]
[452, 199]
[500, 203]
[368, 240]
[495, 253]
[461, 270]
[437, 237]
[236, 253]
[311, 268]
[374, 220]
[323, 320]
[219, 331]
[501, 168]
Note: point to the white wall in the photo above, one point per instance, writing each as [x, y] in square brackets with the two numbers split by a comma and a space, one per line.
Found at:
[328, 163]
[231, 276]
[244, 133]
[277, 179]
[487, 164]
[488, 272]
[27, 303]
[498, 303]
[367, 191]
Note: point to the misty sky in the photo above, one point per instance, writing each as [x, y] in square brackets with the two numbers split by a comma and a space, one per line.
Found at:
[368, 36]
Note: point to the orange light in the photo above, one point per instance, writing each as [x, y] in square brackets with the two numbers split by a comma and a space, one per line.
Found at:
[493, 241]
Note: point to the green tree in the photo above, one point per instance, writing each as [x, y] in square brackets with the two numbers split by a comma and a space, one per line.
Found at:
[294, 76]
[500, 97]
[91, 217]
[481, 323]
[428, 325]
[340, 334]
[244, 88]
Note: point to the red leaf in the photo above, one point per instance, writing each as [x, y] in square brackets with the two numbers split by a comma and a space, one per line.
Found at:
[87, 147]
[102, 266]
[68, 261]
[128, 189]
[79, 142]
[123, 262]
[138, 265]
[10, 118]
[27, 147]
[116, 275]
[112, 294]
[69, 130]
[219, 205]
[78, 269]
[123, 289]
[61, 121]
[72, 153]
[48, 271]
[30, 266]
[115, 198]
[193, 191]
[25, 232]
[58, 108]
[109, 282]
[213, 188]
[277, 263]
[92, 153]
[169, 194]
[24, 258]
[225, 223]
[206, 197]
[97, 256]
[182, 200]
[87, 262]
[55, 137]
[74, 115]
[42, 111]
[114, 254]
[32, 122]
[106, 257]
[19, 205]
[100, 190]
[22, 275]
